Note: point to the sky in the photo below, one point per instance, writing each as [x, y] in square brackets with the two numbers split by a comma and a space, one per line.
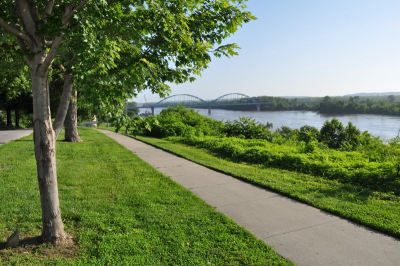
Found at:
[307, 48]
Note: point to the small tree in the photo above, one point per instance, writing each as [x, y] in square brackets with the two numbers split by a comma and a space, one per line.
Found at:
[333, 134]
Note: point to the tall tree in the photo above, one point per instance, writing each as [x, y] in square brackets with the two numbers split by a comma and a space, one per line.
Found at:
[14, 79]
[163, 41]
[39, 28]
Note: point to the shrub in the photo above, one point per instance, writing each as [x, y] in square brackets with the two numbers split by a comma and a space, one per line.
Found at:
[180, 121]
[333, 134]
[246, 128]
[346, 167]
[308, 133]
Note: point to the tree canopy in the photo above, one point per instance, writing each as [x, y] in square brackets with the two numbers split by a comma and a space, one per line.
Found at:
[110, 49]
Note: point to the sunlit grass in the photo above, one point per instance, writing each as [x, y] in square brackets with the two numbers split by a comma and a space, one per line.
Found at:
[119, 210]
[377, 210]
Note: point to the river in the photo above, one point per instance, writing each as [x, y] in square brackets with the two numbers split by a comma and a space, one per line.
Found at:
[384, 126]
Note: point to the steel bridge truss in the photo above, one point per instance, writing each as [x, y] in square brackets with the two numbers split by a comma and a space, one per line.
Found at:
[192, 101]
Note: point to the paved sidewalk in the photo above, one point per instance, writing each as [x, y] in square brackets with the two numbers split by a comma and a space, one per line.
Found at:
[9, 135]
[303, 234]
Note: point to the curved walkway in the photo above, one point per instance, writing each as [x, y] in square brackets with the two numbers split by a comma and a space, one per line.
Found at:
[303, 234]
[9, 135]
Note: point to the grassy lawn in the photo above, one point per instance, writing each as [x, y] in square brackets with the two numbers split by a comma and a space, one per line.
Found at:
[377, 210]
[119, 210]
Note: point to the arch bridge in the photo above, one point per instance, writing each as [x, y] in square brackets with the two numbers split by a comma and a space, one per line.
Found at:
[192, 101]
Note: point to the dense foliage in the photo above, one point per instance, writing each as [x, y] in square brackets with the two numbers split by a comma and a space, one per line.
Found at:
[336, 151]
[247, 128]
[179, 121]
[15, 95]
[347, 167]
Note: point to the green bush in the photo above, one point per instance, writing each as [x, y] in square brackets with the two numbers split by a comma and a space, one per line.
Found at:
[247, 128]
[336, 136]
[333, 134]
[346, 167]
[308, 133]
[287, 132]
[180, 121]
[353, 157]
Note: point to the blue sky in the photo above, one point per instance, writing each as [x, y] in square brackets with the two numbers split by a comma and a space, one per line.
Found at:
[307, 48]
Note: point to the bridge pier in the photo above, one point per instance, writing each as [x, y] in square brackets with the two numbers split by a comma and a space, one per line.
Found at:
[209, 110]
[152, 110]
[258, 107]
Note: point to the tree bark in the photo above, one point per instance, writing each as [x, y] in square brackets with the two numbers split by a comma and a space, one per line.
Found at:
[17, 116]
[39, 55]
[64, 103]
[9, 119]
[45, 153]
[71, 120]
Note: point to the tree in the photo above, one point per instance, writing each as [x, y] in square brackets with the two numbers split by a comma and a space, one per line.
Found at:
[336, 136]
[71, 120]
[132, 112]
[333, 133]
[161, 54]
[40, 28]
[14, 80]
[166, 41]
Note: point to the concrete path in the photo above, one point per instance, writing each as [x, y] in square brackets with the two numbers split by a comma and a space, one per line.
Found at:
[303, 234]
[9, 135]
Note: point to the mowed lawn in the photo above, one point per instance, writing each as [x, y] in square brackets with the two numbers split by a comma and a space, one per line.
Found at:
[380, 211]
[119, 210]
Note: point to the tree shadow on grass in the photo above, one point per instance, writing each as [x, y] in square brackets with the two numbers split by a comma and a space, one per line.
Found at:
[34, 246]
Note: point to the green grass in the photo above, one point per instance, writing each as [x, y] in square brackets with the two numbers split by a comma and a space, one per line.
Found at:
[377, 210]
[119, 210]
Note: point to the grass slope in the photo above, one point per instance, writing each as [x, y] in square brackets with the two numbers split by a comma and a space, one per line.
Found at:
[377, 210]
[120, 211]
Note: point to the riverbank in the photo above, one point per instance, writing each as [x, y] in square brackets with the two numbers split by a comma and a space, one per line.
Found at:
[119, 211]
[383, 126]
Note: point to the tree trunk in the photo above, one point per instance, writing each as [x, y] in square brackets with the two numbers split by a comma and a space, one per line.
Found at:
[45, 153]
[71, 123]
[17, 116]
[39, 55]
[9, 119]
[64, 104]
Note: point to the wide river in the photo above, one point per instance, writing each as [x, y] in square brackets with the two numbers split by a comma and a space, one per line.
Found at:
[386, 127]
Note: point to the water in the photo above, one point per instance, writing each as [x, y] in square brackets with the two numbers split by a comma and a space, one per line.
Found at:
[386, 127]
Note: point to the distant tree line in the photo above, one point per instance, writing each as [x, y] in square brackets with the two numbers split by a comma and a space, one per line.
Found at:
[384, 105]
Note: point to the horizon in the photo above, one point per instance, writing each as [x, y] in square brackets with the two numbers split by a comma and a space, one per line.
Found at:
[382, 94]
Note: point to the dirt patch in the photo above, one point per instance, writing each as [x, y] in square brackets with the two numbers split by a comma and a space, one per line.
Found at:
[34, 246]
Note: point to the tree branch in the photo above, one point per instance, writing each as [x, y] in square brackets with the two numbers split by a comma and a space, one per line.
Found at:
[11, 29]
[48, 43]
[53, 52]
[64, 103]
[81, 5]
[28, 23]
[48, 9]
[69, 12]
[33, 11]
